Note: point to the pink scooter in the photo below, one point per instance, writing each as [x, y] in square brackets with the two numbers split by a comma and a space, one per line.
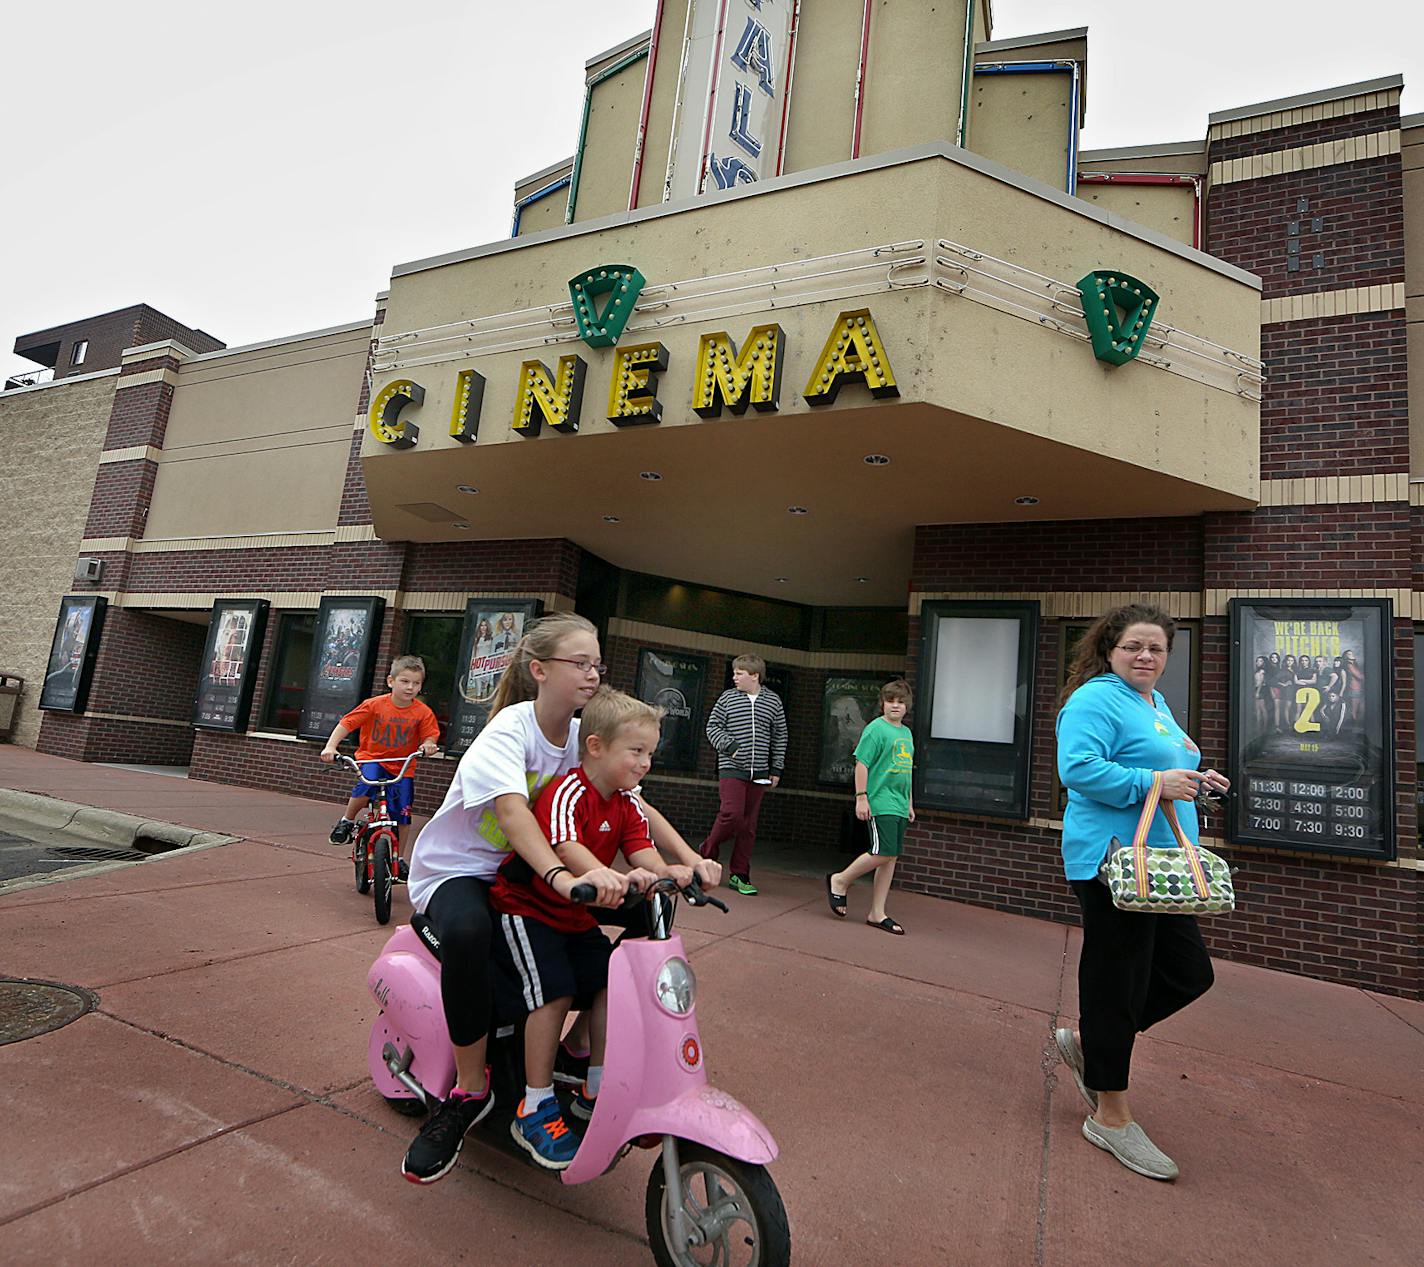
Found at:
[710, 1200]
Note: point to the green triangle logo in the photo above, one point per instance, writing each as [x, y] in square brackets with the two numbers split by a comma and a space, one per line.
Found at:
[620, 285]
[1119, 311]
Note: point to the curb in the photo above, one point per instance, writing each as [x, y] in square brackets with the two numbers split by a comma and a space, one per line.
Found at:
[33, 811]
[102, 826]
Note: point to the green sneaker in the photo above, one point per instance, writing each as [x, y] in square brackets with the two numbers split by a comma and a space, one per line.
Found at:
[744, 887]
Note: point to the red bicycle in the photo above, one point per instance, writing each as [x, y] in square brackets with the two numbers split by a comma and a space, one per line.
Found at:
[375, 852]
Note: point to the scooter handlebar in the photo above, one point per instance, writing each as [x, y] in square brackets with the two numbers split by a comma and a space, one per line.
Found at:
[586, 893]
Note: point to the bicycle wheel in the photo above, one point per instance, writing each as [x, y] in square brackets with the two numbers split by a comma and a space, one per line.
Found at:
[358, 857]
[382, 850]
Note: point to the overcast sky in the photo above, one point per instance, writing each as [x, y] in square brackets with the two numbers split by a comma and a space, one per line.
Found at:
[255, 170]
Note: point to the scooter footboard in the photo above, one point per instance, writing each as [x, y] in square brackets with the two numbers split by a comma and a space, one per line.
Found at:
[702, 1114]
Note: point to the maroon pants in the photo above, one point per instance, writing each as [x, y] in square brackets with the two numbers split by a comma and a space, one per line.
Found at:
[737, 815]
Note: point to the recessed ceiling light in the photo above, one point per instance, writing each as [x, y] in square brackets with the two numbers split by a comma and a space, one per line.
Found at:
[861, 580]
[611, 519]
[653, 476]
[780, 580]
[797, 510]
[466, 488]
[462, 527]
[876, 459]
[1025, 501]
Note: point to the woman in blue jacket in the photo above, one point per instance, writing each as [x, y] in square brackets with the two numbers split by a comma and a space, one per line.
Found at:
[1114, 732]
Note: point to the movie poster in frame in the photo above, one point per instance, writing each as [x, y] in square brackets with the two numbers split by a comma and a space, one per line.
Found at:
[849, 702]
[1312, 725]
[228, 671]
[492, 629]
[343, 655]
[72, 653]
[675, 682]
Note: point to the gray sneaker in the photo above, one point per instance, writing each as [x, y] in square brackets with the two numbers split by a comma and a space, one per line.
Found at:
[1070, 1052]
[1130, 1145]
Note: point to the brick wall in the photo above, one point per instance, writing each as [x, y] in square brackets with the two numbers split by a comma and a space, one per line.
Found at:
[1097, 554]
[1361, 209]
[140, 413]
[1310, 547]
[1335, 401]
[122, 494]
[146, 668]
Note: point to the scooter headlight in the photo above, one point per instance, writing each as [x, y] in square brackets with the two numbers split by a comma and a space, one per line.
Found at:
[676, 986]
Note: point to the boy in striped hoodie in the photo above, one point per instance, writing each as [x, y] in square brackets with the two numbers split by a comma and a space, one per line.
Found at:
[748, 728]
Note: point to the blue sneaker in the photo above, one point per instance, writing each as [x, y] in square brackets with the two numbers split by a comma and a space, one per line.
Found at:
[544, 1135]
[581, 1106]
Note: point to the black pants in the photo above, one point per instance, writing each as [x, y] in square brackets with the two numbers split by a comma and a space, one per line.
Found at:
[459, 914]
[1135, 970]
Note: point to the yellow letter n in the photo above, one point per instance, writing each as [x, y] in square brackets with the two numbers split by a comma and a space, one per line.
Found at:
[725, 377]
[541, 399]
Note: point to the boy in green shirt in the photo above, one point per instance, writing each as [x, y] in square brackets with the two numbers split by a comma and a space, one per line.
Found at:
[884, 762]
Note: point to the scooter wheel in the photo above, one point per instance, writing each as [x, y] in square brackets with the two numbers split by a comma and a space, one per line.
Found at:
[735, 1205]
[406, 1107]
[358, 856]
[383, 866]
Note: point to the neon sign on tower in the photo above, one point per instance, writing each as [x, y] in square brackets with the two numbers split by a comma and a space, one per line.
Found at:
[737, 56]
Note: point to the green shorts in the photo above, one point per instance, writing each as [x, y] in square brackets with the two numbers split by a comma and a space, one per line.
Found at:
[887, 835]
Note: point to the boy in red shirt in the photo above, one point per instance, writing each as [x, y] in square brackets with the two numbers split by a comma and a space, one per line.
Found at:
[391, 725]
[552, 948]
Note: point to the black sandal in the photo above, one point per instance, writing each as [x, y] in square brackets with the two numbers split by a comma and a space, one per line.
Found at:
[888, 925]
[837, 900]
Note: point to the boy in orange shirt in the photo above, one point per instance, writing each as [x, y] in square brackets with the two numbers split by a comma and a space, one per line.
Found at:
[391, 725]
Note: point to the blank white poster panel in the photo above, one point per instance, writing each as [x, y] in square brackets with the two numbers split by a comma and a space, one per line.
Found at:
[976, 679]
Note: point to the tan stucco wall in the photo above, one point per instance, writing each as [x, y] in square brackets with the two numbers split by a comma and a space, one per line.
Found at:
[822, 116]
[914, 75]
[257, 440]
[1170, 209]
[547, 213]
[1022, 121]
[50, 440]
[1412, 154]
[606, 172]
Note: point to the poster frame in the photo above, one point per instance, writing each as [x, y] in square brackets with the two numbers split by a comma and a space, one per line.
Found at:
[374, 607]
[859, 675]
[460, 708]
[686, 760]
[257, 609]
[98, 605]
[1381, 698]
[1027, 612]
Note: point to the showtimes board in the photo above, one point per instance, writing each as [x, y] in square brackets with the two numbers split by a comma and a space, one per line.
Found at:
[1312, 725]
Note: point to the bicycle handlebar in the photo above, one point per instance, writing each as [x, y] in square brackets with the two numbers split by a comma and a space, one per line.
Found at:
[351, 764]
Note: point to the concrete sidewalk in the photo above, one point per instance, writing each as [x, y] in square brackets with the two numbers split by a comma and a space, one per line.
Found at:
[215, 1107]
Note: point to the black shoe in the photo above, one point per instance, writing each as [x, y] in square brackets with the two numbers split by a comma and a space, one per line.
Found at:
[403, 872]
[342, 832]
[432, 1153]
